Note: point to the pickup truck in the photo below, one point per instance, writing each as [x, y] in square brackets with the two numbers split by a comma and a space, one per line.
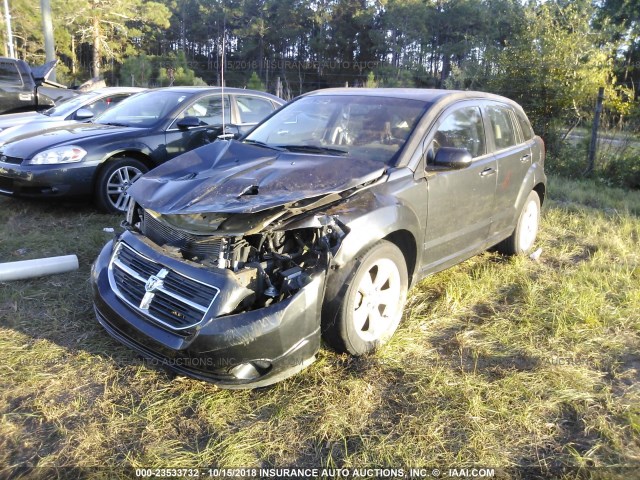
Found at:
[23, 88]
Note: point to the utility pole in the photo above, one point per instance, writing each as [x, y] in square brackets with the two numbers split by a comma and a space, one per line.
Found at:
[7, 18]
[594, 133]
[47, 29]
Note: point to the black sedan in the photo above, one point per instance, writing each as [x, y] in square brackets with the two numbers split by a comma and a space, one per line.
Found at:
[105, 157]
[80, 108]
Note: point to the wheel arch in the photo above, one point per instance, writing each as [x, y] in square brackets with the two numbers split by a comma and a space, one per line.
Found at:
[541, 190]
[136, 155]
[406, 242]
[383, 218]
[535, 180]
[379, 218]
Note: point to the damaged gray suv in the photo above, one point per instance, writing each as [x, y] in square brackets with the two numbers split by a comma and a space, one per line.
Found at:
[239, 256]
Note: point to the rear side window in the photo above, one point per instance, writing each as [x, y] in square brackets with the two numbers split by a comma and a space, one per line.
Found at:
[253, 109]
[9, 74]
[504, 132]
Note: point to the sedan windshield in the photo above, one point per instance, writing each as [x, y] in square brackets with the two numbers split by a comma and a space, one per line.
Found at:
[142, 110]
[347, 125]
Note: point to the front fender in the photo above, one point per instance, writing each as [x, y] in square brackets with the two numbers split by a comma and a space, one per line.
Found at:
[371, 217]
[119, 148]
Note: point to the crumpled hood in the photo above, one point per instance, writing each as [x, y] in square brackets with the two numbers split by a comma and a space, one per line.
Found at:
[232, 177]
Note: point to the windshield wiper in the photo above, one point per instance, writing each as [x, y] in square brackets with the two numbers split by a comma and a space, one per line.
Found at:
[313, 149]
[262, 144]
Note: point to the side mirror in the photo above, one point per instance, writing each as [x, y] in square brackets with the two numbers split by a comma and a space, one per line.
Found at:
[455, 158]
[83, 114]
[188, 122]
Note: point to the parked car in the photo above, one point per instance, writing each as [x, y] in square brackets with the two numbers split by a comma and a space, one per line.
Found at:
[23, 88]
[105, 157]
[238, 255]
[81, 108]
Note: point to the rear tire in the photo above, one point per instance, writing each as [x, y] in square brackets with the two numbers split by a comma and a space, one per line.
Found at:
[365, 310]
[114, 179]
[524, 236]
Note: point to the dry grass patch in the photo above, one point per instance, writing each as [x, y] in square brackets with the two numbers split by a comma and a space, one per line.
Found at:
[500, 362]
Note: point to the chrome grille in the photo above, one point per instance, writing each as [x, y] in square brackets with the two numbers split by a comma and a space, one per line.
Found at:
[202, 246]
[168, 297]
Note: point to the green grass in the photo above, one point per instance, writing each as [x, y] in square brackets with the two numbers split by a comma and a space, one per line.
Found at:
[500, 362]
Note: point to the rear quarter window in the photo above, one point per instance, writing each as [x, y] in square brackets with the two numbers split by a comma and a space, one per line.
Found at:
[525, 126]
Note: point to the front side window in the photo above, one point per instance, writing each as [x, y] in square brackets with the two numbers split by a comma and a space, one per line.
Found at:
[504, 133]
[462, 128]
[208, 110]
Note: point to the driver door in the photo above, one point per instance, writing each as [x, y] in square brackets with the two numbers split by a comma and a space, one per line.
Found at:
[204, 119]
[460, 201]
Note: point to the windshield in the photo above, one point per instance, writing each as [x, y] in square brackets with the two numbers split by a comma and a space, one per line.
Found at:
[355, 125]
[69, 106]
[142, 110]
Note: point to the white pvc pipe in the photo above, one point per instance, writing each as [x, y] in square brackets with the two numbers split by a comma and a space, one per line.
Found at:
[38, 267]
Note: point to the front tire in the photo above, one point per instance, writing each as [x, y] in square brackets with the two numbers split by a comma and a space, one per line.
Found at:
[366, 311]
[524, 236]
[114, 179]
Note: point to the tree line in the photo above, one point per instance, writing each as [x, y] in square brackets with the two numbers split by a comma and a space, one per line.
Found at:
[551, 56]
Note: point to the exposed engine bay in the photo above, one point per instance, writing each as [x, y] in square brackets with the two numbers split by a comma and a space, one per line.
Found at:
[271, 265]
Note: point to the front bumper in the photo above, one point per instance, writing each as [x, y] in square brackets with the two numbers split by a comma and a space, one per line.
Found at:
[46, 180]
[244, 350]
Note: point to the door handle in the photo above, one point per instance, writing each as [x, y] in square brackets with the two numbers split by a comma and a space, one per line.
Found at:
[524, 158]
[487, 171]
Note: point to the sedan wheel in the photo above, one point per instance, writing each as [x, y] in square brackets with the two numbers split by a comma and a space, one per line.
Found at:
[113, 182]
[370, 305]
